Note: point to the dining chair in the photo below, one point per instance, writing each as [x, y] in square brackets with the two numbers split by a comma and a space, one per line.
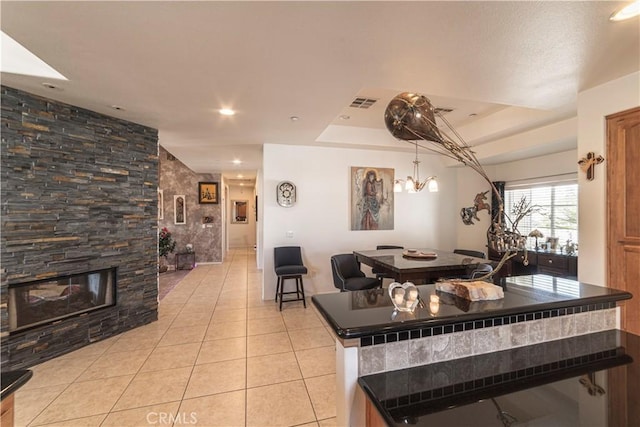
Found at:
[469, 252]
[382, 274]
[347, 275]
[481, 270]
[287, 262]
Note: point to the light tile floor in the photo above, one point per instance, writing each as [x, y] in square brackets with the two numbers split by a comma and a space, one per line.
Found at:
[217, 356]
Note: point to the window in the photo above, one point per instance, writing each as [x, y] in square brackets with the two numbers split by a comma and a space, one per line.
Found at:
[557, 213]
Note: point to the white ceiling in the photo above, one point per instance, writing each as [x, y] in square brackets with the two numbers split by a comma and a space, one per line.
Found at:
[515, 65]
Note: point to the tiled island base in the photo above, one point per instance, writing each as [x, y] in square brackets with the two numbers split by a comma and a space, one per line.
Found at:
[568, 382]
[441, 343]
[527, 316]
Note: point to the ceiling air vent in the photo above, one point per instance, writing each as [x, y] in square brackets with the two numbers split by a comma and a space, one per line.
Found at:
[363, 102]
[442, 111]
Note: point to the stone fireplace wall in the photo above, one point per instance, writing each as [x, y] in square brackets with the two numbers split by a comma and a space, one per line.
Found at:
[79, 193]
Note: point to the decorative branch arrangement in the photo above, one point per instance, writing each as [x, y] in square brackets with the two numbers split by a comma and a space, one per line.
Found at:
[522, 209]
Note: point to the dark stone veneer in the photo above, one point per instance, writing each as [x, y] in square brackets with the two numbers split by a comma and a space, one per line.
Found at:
[78, 193]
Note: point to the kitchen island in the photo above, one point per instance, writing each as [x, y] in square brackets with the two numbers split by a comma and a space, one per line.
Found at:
[11, 381]
[585, 380]
[372, 338]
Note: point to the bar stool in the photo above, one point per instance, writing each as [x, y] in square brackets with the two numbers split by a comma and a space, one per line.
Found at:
[287, 262]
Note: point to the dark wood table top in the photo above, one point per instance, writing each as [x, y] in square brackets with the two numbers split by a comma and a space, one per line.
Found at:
[394, 260]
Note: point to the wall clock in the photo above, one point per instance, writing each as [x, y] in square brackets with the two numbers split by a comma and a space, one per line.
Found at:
[286, 194]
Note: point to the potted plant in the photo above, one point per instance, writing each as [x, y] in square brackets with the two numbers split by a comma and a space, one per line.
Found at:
[166, 245]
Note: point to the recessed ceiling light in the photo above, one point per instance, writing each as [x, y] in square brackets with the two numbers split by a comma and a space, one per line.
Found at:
[629, 11]
[49, 85]
[240, 176]
[226, 111]
[294, 118]
[473, 115]
[237, 161]
[242, 184]
[118, 108]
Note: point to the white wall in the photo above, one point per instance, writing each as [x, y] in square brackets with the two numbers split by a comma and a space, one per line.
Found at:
[535, 167]
[242, 235]
[471, 183]
[320, 218]
[593, 106]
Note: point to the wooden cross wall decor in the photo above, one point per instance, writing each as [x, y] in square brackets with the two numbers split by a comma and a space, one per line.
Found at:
[587, 164]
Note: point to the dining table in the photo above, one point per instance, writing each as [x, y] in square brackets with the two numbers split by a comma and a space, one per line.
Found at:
[420, 265]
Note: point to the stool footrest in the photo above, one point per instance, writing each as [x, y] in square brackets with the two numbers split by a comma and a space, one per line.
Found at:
[299, 292]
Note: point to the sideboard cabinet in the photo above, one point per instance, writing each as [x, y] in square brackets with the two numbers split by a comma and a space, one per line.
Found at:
[552, 263]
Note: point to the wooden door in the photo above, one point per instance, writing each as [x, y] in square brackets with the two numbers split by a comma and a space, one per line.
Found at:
[623, 211]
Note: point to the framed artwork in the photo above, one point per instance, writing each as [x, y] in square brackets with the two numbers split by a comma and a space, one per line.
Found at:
[208, 193]
[160, 204]
[372, 198]
[179, 209]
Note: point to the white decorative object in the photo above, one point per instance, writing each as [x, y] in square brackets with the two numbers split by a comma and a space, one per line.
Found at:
[434, 307]
[404, 296]
[472, 291]
[286, 194]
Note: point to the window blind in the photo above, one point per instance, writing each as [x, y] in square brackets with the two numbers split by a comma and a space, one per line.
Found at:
[556, 208]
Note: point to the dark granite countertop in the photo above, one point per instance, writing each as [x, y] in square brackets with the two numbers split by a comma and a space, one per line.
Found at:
[13, 380]
[439, 393]
[365, 313]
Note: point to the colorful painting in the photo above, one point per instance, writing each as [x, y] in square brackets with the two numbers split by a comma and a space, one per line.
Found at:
[371, 198]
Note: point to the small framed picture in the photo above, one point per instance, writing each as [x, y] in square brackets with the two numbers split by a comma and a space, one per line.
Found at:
[179, 210]
[208, 193]
[160, 204]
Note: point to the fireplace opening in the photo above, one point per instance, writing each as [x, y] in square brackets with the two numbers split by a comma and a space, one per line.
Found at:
[45, 301]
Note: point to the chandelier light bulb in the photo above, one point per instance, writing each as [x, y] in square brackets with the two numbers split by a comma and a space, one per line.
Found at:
[433, 185]
[409, 184]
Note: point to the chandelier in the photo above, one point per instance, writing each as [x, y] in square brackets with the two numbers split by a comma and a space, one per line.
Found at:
[413, 184]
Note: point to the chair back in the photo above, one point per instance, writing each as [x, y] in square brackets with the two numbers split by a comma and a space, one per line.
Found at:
[469, 252]
[481, 270]
[343, 267]
[287, 255]
[389, 247]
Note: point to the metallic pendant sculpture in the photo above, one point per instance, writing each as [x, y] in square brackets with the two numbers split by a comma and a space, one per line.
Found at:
[411, 117]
